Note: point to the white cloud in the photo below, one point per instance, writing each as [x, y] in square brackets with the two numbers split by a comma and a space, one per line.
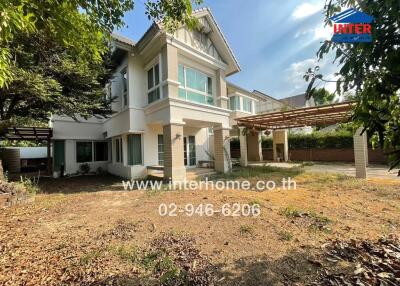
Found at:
[305, 10]
[323, 32]
[318, 33]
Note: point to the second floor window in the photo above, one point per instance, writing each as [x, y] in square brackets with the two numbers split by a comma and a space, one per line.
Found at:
[195, 86]
[153, 83]
[234, 103]
[247, 105]
[124, 74]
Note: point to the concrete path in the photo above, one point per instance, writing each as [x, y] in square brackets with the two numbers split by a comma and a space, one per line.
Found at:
[373, 171]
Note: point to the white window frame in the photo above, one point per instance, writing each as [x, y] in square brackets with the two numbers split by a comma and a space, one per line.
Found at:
[252, 105]
[93, 150]
[124, 94]
[206, 94]
[118, 141]
[141, 149]
[240, 103]
[152, 65]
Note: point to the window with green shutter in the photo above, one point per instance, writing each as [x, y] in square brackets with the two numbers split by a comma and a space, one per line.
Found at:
[135, 149]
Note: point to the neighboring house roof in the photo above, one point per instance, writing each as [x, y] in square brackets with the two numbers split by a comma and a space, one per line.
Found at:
[297, 101]
[257, 92]
[122, 39]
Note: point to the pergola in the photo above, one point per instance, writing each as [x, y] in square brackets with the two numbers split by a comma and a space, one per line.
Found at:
[308, 116]
[279, 122]
[31, 134]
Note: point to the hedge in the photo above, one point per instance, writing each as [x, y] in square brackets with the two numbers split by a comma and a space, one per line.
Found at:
[338, 140]
[319, 140]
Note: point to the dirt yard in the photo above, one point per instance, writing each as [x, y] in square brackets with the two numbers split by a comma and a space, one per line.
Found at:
[89, 231]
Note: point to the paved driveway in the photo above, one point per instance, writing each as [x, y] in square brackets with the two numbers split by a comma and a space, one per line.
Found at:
[373, 171]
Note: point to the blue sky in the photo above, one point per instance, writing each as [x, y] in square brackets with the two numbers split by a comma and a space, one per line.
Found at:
[275, 41]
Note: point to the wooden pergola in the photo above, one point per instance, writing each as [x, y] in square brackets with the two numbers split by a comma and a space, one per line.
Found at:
[309, 116]
[279, 122]
[31, 134]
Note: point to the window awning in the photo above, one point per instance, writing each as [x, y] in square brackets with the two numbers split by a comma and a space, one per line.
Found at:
[309, 116]
[27, 133]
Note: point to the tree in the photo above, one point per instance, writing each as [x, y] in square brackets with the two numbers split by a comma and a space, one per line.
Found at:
[372, 70]
[54, 53]
[322, 96]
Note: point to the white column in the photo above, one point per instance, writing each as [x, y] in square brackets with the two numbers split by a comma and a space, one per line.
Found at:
[360, 153]
[243, 147]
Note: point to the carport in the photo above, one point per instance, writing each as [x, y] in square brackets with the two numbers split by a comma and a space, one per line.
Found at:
[38, 134]
[279, 123]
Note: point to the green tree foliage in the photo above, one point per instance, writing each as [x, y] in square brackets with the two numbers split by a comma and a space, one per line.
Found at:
[322, 96]
[54, 54]
[371, 69]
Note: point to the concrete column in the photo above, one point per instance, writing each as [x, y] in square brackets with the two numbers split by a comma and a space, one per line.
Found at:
[280, 139]
[243, 147]
[169, 72]
[174, 166]
[254, 148]
[222, 149]
[360, 153]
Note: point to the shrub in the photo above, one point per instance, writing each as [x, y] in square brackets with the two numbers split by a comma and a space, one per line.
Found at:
[30, 185]
[337, 139]
[84, 168]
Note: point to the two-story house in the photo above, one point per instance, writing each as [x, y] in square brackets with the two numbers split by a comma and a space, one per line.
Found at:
[173, 108]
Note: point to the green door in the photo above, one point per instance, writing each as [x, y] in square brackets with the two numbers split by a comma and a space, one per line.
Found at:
[59, 154]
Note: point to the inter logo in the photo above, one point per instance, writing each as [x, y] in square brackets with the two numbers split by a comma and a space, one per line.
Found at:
[352, 26]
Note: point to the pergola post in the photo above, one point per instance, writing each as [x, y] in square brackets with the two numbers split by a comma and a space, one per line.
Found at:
[280, 145]
[243, 147]
[254, 147]
[221, 149]
[360, 153]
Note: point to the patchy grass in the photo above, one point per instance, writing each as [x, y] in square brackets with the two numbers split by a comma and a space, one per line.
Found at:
[90, 256]
[127, 252]
[246, 229]
[88, 231]
[311, 219]
[261, 172]
[285, 236]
